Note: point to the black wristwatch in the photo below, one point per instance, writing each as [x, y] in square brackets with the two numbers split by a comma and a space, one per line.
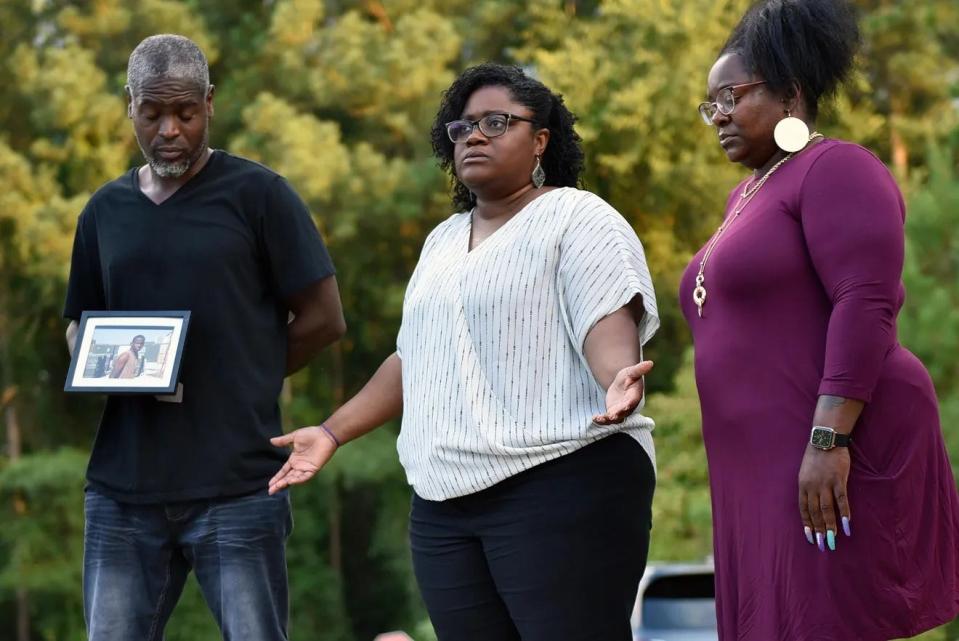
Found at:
[826, 438]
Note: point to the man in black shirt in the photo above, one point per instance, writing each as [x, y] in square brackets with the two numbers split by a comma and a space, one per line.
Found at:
[175, 486]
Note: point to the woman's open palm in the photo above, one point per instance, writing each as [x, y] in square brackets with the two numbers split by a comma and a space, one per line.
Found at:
[312, 448]
[624, 393]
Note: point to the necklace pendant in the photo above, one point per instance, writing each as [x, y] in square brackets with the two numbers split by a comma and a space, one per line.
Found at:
[699, 297]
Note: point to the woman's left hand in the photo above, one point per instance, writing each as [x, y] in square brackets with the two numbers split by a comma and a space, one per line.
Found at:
[624, 393]
[312, 449]
[822, 493]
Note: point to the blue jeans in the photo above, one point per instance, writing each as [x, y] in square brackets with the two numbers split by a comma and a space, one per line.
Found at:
[137, 557]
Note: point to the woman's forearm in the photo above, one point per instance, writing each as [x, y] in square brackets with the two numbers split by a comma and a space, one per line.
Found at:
[838, 413]
[612, 344]
[380, 400]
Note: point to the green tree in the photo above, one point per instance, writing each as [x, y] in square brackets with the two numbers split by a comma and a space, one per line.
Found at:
[682, 517]
[929, 321]
[339, 97]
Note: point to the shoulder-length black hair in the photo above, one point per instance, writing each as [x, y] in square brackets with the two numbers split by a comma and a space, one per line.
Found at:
[563, 159]
[811, 42]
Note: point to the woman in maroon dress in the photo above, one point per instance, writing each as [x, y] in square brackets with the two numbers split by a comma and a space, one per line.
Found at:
[804, 387]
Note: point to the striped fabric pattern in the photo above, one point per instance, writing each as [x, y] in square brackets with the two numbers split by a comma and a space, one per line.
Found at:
[491, 341]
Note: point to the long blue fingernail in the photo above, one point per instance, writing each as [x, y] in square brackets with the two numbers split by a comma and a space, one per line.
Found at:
[831, 540]
[808, 531]
[846, 527]
[819, 542]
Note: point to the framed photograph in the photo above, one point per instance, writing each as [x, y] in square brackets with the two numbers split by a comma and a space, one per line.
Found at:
[128, 352]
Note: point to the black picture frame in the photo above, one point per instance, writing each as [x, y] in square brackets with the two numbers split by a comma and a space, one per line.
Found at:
[156, 339]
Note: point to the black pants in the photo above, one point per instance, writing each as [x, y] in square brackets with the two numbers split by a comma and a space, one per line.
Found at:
[554, 553]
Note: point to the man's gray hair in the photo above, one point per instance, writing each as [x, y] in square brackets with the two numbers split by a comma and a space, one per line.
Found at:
[167, 56]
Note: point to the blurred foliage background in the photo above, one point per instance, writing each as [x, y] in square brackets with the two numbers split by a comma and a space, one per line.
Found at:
[338, 96]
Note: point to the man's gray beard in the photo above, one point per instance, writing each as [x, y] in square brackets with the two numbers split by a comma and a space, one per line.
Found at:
[165, 169]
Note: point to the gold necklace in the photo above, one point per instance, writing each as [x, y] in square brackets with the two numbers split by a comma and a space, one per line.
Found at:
[699, 293]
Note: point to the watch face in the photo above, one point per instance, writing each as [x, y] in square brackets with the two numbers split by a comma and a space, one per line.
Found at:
[822, 438]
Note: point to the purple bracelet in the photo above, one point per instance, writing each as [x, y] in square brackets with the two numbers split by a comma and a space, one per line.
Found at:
[330, 434]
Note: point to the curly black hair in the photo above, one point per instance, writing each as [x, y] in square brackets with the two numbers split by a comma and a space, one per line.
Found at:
[563, 159]
[811, 42]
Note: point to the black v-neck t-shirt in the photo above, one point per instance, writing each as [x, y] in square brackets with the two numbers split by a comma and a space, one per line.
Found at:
[231, 245]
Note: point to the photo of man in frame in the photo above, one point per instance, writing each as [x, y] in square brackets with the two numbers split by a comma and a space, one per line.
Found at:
[127, 364]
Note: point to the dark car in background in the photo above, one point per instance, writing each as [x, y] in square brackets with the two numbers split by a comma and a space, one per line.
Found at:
[676, 602]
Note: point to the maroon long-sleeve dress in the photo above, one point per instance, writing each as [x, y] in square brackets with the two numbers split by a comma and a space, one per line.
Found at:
[803, 293]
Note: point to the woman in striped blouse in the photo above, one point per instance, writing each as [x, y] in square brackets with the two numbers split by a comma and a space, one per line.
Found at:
[531, 466]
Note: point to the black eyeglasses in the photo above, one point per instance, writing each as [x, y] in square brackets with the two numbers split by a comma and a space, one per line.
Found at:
[490, 125]
[725, 101]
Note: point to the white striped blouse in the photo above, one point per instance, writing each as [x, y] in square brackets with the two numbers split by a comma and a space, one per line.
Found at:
[494, 376]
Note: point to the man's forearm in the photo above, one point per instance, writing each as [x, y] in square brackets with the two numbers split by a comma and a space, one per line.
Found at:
[317, 322]
[305, 340]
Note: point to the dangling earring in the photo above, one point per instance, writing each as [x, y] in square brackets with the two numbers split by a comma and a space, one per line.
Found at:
[791, 133]
[539, 176]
